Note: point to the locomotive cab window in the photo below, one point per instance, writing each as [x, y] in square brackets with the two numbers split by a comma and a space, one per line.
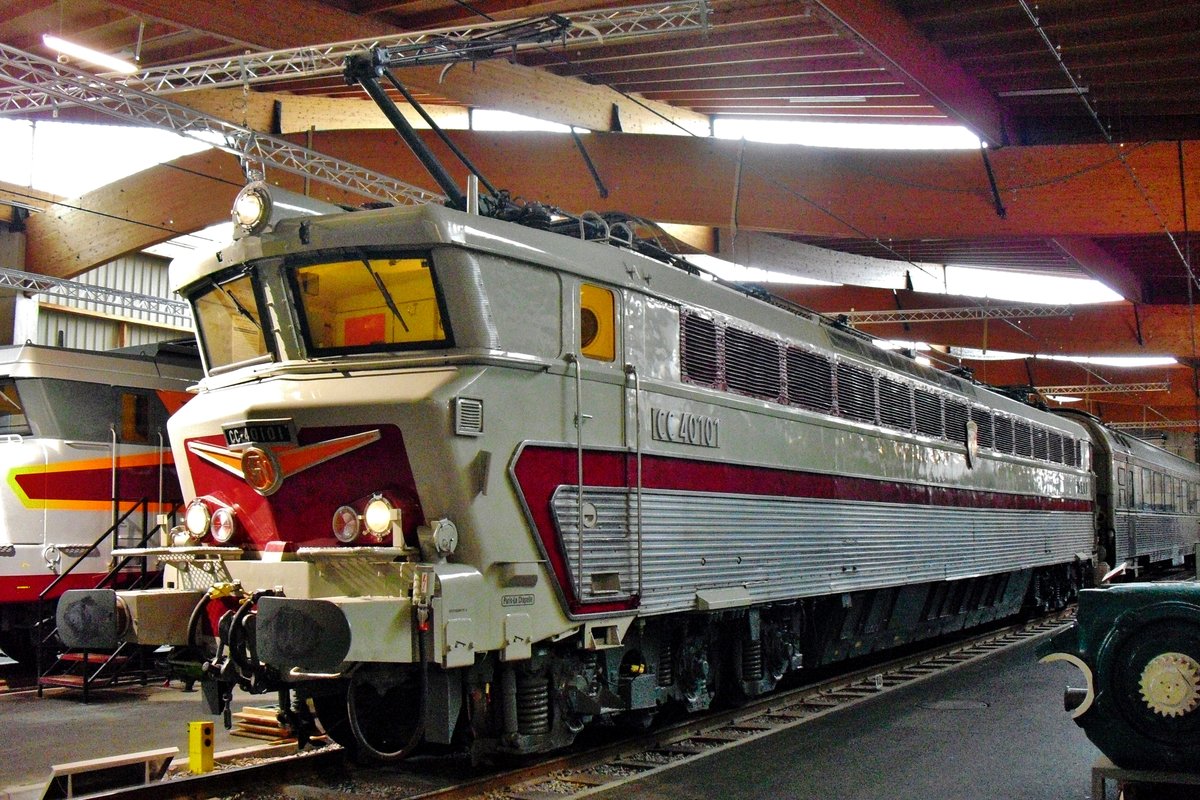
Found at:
[135, 417]
[370, 303]
[597, 323]
[12, 413]
[229, 323]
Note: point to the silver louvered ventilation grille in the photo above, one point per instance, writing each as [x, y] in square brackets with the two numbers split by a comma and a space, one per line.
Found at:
[929, 413]
[724, 357]
[856, 392]
[468, 416]
[809, 380]
[983, 426]
[895, 404]
[751, 364]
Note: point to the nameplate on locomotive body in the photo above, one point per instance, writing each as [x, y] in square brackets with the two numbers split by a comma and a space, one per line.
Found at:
[684, 427]
[259, 431]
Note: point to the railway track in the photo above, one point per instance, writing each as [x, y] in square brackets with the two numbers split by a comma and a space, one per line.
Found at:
[601, 768]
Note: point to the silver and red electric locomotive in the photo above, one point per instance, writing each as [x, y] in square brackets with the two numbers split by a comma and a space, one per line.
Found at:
[454, 479]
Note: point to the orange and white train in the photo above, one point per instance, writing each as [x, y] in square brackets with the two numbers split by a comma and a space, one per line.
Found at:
[82, 442]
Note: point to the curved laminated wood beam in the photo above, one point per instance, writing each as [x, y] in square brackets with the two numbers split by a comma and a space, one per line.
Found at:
[901, 48]
[1069, 191]
[142, 210]
[1076, 190]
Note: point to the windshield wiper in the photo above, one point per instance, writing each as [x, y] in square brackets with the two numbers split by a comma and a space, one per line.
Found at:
[237, 304]
[383, 290]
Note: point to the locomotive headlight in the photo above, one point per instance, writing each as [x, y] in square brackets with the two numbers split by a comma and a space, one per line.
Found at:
[197, 518]
[223, 526]
[379, 515]
[346, 525]
[252, 209]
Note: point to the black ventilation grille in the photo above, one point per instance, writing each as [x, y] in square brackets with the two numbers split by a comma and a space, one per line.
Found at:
[1040, 443]
[1070, 453]
[698, 347]
[809, 380]
[895, 404]
[1022, 444]
[751, 364]
[929, 413]
[1056, 447]
[956, 420]
[855, 392]
[1004, 434]
[983, 427]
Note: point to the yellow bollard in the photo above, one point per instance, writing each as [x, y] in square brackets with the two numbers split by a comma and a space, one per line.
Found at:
[200, 747]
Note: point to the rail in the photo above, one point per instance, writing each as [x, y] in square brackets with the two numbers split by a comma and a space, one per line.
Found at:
[612, 765]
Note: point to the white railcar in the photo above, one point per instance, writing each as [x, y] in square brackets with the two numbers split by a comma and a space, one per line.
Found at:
[82, 441]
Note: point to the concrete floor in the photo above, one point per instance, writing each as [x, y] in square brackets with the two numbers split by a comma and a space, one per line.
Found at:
[58, 728]
[985, 731]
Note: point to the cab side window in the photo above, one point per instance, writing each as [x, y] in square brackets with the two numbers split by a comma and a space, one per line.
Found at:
[597, 323]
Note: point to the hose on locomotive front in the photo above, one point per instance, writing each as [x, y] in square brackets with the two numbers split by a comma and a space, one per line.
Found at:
[352, 712]
[193, 625]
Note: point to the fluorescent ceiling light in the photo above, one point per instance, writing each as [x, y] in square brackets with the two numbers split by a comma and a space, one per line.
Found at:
[833, 98]
[1064, 398]
[739, 273]
[1042, 92]
[1116, 361]
[4, 201]
[94, 57]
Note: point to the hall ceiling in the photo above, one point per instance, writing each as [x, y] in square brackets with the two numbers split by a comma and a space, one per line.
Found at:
[1065, 200]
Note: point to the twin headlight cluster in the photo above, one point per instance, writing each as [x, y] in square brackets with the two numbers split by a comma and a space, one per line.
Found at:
[373, 519]
[375, 522]
[205, 517]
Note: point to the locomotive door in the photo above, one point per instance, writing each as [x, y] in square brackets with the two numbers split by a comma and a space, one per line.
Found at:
[606, 547]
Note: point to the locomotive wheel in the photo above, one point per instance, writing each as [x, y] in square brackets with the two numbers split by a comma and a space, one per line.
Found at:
[335, 720]
[18, 645]
[385, 712]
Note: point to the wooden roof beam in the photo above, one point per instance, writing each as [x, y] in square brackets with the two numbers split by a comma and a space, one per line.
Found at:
[1092, 258]
[883, 30]
[1067, 191]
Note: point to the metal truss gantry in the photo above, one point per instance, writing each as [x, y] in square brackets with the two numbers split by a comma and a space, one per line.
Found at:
[74, 290]
[255, 150]
[1107, 388]
[1160, 425]
[953, 314]
[329, 59]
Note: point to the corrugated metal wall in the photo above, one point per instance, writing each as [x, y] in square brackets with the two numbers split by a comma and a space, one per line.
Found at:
[96, 333]
[118, 327]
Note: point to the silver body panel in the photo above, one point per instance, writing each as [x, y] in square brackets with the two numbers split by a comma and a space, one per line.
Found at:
[779, 548]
